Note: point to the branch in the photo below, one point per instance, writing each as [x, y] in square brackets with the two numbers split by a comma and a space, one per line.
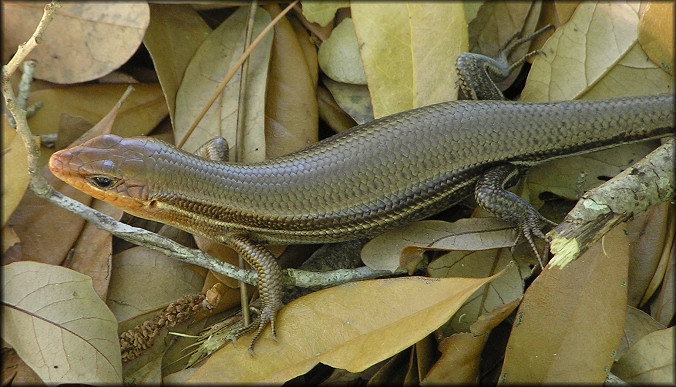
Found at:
[639, 187]
[138, 236]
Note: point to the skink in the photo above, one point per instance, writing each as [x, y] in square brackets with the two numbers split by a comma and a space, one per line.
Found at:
[375, 177]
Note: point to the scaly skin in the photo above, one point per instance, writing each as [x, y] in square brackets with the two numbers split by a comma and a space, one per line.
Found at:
[374, 177]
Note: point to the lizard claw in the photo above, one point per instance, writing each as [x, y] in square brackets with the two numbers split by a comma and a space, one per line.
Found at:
[532, 226]
[259, 324]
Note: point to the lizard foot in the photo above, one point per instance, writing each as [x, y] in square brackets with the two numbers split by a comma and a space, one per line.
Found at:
[259, 324]
[532, 226]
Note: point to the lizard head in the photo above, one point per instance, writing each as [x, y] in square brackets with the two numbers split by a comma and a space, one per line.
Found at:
[108, 168]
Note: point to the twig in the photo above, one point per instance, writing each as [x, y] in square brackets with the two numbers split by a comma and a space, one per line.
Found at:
[134, 235]
[17, 112]
[239, 143]
[639, 187]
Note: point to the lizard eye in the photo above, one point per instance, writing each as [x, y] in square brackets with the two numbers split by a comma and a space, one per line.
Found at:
[102, 182]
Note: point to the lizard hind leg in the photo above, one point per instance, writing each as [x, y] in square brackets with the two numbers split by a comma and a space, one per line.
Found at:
[490, 193]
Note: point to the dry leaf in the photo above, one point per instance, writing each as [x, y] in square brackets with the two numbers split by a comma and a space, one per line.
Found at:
[309, 50]
[15, 176]
[662, 308]
[571, 318]
[10, 243]
[93, 250]
[174, 34]
[15, 372]
[504, 290]
[649, 236]
[58, 325]
[409, 52]
[650, 360]
[387, 251]
[338, 56]
[84, 41]
[207, 68]
[142, 111]
[459, 362]
[351, 326]
[497, 22]
[329, 111]
[322, 12]
[36, 219]
[36, 222]
[582, 52]
[144, 281]
[291, 115]
[656, 34]
[633, 75]
[355, 100]
[637, 325]
[573, 176]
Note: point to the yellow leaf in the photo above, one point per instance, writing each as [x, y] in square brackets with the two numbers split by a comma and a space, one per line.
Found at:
[58, 325]
[339, 55]
[656, 34]
[351, 326]
[584, 53]
[408, 51]
[84, 41]
[322, 12]
[142, 111]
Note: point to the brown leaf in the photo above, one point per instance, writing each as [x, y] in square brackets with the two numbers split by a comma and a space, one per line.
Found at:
[212, 60]
[174, 34]
[144, 281]
[650, 237]
[47, 232]
[650, 360]
[93, 251]
[572, 318]
[402, 247]
[84, 41]
[291, 114]
[329, 111]
[662, 308]
[351, 326]
[637, 325]
[490, 297]
[15, 176]
[459, 362]
[58, 325]
[16, 372]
